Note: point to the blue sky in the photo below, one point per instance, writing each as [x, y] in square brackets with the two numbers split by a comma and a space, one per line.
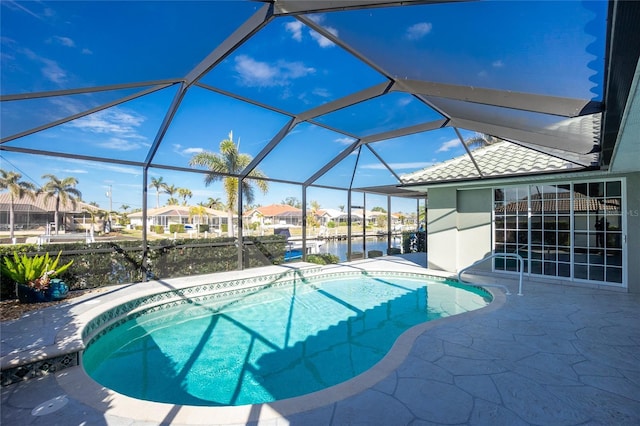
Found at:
[549, 48]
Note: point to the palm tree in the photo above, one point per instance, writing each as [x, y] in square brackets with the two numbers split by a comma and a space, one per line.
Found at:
[197, 211]
[125, 207]
[184, 193]
[214, 203]
[171, 190]
[312, 216]
[17, 189]
[63, 190]
[480, 140]
[158, 184]
[229, 162]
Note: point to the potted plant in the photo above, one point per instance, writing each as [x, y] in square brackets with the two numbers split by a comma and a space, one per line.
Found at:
[34, 277]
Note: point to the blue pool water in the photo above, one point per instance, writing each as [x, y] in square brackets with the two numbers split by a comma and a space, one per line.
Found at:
[277, 343]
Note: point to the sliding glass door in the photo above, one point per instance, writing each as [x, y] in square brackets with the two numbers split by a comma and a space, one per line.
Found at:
[569, 230]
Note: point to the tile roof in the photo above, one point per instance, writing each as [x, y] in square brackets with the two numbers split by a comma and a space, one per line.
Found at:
[173, 210]
[561, 203]
[499, 159]
[275, 210]
[42, 204]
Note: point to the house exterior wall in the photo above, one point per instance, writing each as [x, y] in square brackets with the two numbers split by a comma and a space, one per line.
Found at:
[473, 220]
[442, 229]
[460, 227]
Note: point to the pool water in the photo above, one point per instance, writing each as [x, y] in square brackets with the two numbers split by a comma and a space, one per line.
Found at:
[274, 344]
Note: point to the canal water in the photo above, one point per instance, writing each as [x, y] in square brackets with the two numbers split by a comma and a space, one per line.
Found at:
[339, 248]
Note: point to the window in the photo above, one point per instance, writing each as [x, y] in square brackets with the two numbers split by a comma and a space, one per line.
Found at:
[569, 230]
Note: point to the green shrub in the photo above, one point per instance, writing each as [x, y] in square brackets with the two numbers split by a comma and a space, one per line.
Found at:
[158, 229]
[176, 227]
[323, 258]
[203, 227]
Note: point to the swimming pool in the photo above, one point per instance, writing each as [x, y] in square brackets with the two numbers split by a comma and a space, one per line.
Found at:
[272, 341]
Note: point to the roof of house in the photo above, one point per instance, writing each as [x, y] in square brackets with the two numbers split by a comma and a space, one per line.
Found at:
[42, 204]
[176, 210]
[561, 203]
[496, 160]
[274, 210]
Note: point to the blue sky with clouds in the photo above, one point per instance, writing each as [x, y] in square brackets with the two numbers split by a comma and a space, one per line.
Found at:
[545, 48]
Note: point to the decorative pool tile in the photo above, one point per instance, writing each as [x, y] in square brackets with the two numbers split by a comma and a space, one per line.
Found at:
[39, 368]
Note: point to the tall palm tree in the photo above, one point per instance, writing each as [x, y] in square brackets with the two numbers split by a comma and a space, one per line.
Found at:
[158, 184]
[63, 190]
[17, 189]
[214, 203]
[171, 190]
[184, 193]
[230, 162]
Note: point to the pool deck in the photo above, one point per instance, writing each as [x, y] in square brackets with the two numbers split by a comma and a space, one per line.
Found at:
[557, 355]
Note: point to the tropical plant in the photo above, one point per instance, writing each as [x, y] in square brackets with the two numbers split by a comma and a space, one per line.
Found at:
[197, 211]
[224, 166]
[214, 203]
[293, 202]
[17, 189]
[35, 272]
[158, 184]
[184, 193]
[171, 190]
[480, 140]
[63, 190]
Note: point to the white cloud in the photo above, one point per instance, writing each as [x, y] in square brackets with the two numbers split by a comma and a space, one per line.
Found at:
[497, 64]
[262, 74]
[75, 171]
[322, 40]
[115, 169]
[119, 144]
[86, 51]
[295, 28]
[119, 122]
[418, 31]
[181, 150]
[322, 92]
[453, 143]
[404, 101]
[64, 41]
[52, 71]
[120, 125]
[345, 141]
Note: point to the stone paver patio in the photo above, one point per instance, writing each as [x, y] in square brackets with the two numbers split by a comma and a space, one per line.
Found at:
[558, 355]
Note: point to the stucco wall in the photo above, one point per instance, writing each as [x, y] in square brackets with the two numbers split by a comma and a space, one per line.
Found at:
[459, 225]
[442, 229]
[474, 227]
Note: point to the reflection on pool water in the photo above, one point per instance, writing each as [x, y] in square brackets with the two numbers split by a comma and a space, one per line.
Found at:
[280, 342]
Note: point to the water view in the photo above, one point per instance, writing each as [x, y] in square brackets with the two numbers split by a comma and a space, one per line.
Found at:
[339, 248]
